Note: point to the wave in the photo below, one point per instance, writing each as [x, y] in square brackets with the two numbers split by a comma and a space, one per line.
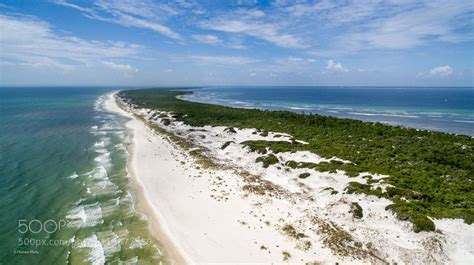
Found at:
[73, 176]
[383, 114]
[88, 215]
[301, 108]
[110, 242]
[464, 121]
[96, 253]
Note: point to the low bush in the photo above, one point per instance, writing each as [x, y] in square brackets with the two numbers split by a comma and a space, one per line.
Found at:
[304, 175]
[268, 160]
[356, 210]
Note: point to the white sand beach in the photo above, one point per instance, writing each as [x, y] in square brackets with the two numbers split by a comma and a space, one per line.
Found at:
[241, 212]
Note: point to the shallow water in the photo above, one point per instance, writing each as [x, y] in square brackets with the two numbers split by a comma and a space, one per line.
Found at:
[64, 194]
[447, 109]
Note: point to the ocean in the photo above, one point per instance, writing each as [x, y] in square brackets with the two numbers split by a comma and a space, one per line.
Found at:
[445, 109]
[64, 189]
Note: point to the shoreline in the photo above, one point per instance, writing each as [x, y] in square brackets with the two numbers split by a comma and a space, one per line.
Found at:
[160, 234]
[239, 221]
[208, 237]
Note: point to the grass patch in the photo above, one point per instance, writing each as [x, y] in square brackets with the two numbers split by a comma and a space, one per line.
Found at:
[290, 231]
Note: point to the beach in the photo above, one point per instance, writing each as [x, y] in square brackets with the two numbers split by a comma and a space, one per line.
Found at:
[235, 210]
[179, 197]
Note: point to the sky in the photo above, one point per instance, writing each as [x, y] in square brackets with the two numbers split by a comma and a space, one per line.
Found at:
[246, 42]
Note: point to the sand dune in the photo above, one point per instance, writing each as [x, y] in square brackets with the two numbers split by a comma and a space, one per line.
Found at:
[222, 207]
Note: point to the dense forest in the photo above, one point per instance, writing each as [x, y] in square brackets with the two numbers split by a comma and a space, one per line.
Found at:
[431, 173]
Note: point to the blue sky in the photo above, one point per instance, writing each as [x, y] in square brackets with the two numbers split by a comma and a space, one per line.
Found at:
[193, 43]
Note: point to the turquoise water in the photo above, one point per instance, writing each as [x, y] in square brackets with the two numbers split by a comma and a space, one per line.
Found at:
[447, 109]
[64, 189]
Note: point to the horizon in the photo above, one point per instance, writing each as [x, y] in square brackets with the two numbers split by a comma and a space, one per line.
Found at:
[236, 43]
[228, 86]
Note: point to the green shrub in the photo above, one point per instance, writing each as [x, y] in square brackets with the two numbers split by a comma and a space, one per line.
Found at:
[166, 122]
[410, 212]
[224, 146]
[304, 175]
[356, 210]
[271, 159]
[293, 164]
[230, 130]
[422, 223]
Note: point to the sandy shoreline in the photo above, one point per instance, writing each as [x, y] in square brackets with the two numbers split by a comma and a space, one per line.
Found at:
[192, 229]
[222, 215]
[161, 235]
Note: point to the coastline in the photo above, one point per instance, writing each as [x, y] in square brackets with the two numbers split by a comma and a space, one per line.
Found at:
[224, 233]
[195, 227]
[161, 235]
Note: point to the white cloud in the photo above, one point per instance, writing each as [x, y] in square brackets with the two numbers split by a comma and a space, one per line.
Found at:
[31, 42]
[442, 71]
[130, 21]
[334, 67]
[360, 25]
[295, 59]
[252, 23]
[300, 60]
[237, 46]
[252, 73]
[120, 67]
[139, 14]
[209, 39]
[300, 9]
[225, 60]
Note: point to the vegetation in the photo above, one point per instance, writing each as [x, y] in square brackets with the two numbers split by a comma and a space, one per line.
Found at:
[224, 146]
[304, 175]
[166, 122]
[230, 130]
[331, 166]
[356, 187]
[356, 210]
[267, 160]
[290, 231]
[432, 173]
